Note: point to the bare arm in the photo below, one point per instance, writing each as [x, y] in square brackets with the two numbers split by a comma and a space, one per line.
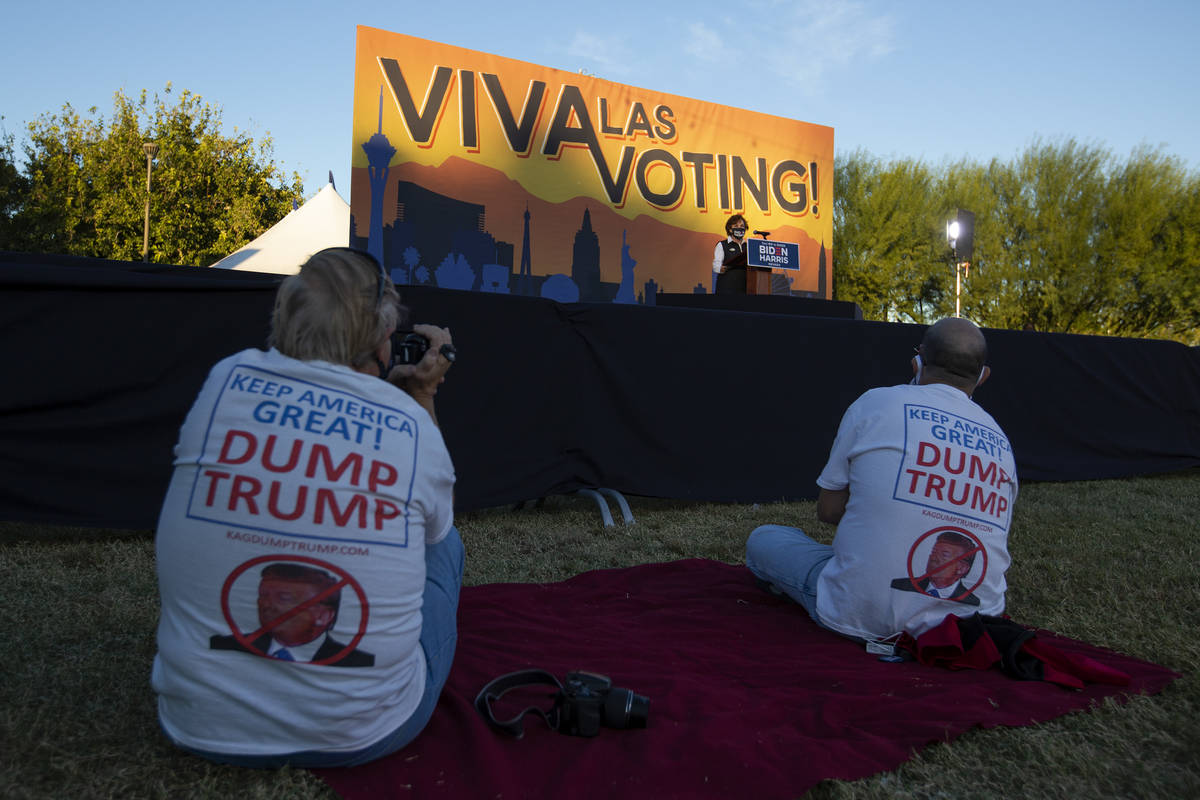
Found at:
[831, 505]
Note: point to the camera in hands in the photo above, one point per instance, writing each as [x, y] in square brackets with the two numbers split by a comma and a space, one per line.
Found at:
[409, 347]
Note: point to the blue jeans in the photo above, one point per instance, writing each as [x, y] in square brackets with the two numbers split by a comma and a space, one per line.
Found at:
[790, 561]
[439, 636]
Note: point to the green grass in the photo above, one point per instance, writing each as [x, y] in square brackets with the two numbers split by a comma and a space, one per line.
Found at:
[1110, 562]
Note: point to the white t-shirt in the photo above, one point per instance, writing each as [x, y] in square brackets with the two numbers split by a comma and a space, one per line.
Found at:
[932, 481]
[335, 480]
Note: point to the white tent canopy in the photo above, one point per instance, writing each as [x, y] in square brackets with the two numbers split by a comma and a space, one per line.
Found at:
[323, 221]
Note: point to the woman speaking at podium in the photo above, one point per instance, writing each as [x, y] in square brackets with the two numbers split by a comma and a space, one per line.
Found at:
[729, 258]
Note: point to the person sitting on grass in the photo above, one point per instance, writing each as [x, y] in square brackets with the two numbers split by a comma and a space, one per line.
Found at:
[921, 483]
[308, 566]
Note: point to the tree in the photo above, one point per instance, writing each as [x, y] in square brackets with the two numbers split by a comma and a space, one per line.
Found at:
[1047, 208]
[211, 192]
[886, 257]
[1149, 241]
[13, 187]
[1066, 239]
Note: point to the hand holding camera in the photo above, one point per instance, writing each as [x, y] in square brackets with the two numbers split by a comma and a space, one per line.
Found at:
[420, 359]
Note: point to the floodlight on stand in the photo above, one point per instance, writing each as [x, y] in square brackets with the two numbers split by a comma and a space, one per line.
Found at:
[964, 240]
[961, 228]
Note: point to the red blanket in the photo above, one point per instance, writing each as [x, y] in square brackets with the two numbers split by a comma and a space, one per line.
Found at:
[748, 697]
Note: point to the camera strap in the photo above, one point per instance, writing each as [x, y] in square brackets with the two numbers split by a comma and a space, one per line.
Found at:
[513, 680]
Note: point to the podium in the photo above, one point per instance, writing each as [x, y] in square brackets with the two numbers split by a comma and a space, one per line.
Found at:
[761, 259]
[762, 256]
[758, 280]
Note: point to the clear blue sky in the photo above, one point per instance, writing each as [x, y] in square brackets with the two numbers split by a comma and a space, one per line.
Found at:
[915, 79]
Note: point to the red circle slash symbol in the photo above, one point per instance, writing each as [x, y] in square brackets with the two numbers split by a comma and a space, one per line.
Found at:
[246, 640]
[978, 548]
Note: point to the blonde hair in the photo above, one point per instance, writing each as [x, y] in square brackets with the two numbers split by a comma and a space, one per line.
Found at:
[333, 309]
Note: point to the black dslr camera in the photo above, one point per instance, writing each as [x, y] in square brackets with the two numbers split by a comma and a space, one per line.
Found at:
[588, 701]
[409, 347]
[583, 703]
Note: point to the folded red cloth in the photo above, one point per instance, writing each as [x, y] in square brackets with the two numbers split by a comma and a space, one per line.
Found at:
[981, 642]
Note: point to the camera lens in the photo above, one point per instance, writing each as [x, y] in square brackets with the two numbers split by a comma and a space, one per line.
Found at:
[624, 709]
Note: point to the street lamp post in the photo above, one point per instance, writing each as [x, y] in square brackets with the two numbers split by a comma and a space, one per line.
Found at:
[151, 149]
[960, 235]
[952, 232]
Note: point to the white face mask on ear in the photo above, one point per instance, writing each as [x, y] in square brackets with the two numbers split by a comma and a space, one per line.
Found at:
[978, 381]
[920, 368]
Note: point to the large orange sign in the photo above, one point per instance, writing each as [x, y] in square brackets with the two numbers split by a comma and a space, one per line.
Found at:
[480, 172]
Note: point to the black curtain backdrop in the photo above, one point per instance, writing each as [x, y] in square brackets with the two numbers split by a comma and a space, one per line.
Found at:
[104, 359]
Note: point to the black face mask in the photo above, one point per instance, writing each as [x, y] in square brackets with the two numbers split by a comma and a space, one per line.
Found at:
[738, 233]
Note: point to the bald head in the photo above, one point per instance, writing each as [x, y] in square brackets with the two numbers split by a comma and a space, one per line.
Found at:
[954, 352]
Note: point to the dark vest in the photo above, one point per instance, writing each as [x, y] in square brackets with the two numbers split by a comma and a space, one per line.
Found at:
[735, 253]
[733, 279]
